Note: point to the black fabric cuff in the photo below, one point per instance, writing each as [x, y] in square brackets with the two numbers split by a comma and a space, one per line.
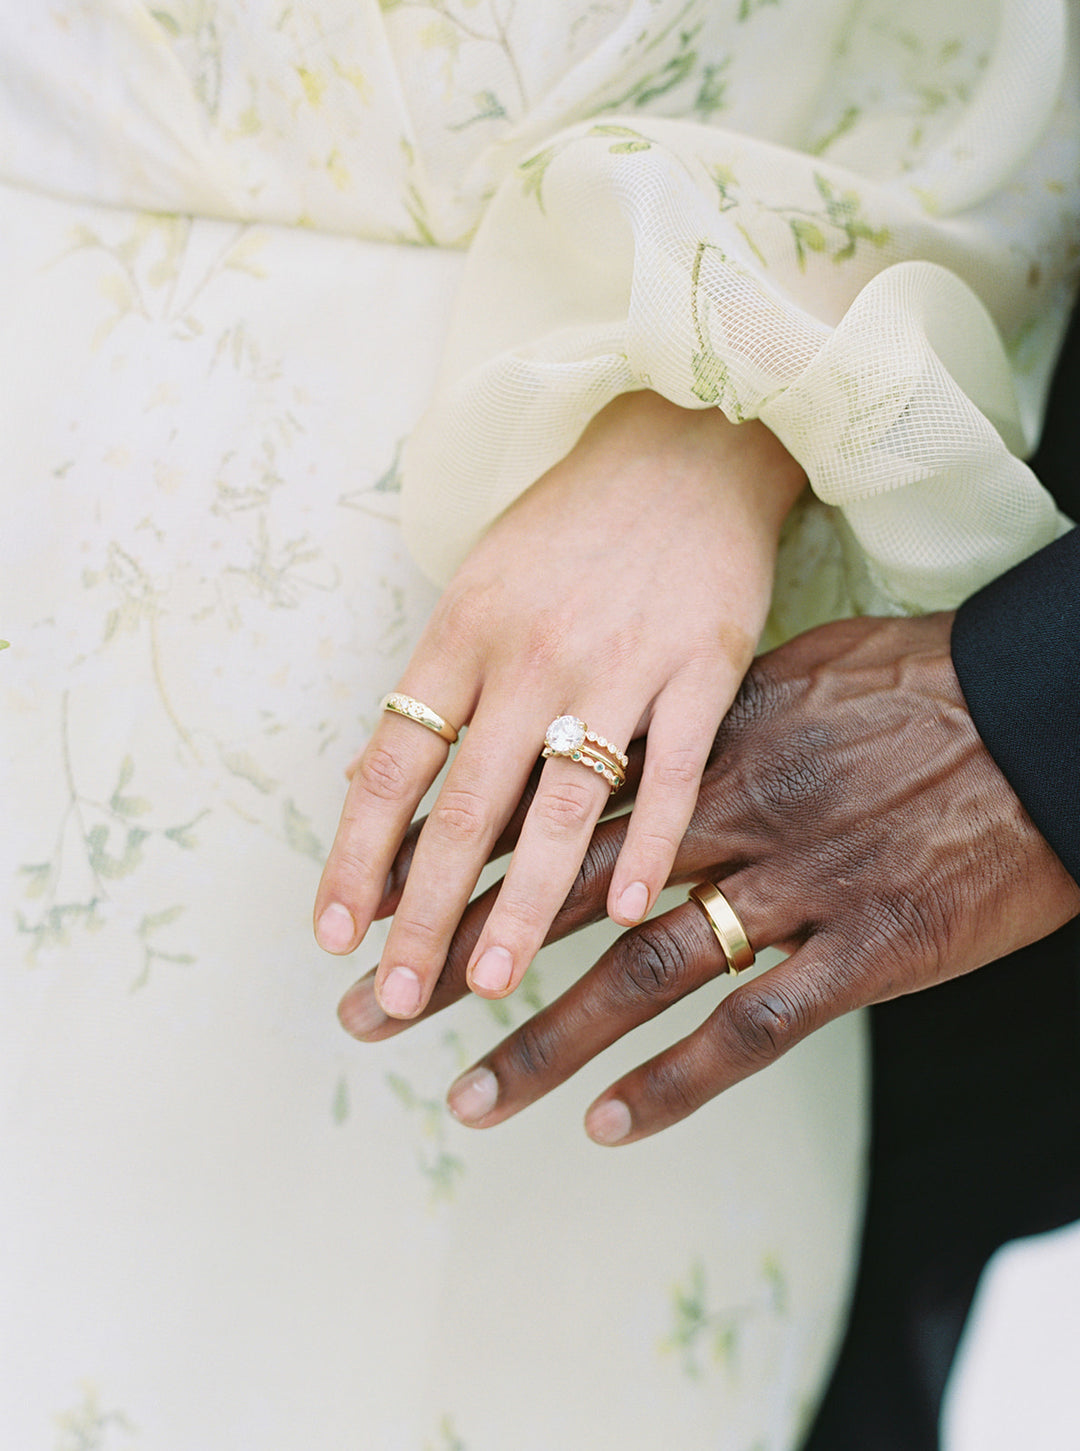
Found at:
[1016, 650]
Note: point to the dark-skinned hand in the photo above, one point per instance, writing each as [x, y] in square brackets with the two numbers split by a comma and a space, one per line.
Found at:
[853, 818]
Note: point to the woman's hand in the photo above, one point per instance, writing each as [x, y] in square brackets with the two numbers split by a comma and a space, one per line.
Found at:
[852, 816]
[628, 587]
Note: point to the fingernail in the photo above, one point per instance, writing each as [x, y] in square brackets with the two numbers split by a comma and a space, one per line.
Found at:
[633, 903]
[400, 993]
[335, 929]
[473, 1095]
[359, 1010]
[608, 1122]
[492, 970]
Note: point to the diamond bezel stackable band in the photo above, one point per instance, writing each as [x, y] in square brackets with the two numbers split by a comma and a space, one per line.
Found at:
[419, 712]
[571, 738]
[727, 929]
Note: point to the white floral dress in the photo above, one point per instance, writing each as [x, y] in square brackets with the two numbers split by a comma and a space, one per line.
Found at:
[247, 250]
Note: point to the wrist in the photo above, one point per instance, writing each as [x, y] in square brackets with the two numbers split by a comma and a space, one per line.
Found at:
[752, 466]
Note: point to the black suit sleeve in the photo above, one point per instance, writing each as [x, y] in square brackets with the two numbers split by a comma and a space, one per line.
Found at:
[1016, 649]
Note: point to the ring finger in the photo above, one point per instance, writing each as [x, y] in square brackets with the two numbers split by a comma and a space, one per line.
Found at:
[574, 787]
[387, 783]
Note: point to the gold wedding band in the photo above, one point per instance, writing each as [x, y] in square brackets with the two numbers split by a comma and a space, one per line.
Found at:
[571, 738]
[419, 712]
[727, 928]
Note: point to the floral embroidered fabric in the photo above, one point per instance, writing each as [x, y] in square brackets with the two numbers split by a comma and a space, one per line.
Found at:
[249, 250]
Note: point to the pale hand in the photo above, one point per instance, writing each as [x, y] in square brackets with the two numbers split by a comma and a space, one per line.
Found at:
[628, 587]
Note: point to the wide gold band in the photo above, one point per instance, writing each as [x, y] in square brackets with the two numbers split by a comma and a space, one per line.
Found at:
[419, 712]
[727, 928]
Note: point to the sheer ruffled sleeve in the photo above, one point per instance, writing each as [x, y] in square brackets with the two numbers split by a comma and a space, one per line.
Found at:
[892, 320]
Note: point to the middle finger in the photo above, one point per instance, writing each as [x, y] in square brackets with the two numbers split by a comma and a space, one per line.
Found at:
[486, 778]
[572, 792]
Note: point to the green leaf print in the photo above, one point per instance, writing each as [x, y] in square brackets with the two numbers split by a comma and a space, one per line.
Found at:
[52, 929]
[107, 866]
[183, 835]
[167, 22]
[87, 1427]
[127, 805]
[439, 1166]
[151, 923]
[447, 1440]
[807, 235]
[710, 376]
[695, 1327]
[299, 833]
[712, 92]
[488, 108]
[38, 875]
[634, 139]
[847, 120]
[339, 1109]
[532, 172]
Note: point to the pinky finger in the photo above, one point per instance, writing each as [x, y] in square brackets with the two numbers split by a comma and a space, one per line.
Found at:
[680, 737]
[751, 1028]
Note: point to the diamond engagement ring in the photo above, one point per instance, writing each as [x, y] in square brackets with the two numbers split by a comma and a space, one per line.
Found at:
[571, 738]
[727, 929]
[416, 710]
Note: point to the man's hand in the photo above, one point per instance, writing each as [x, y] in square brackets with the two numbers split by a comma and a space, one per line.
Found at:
[853, 818]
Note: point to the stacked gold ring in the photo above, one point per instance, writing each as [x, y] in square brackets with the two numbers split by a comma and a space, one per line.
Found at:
[571, 738]
[419, 712]
[727, 929]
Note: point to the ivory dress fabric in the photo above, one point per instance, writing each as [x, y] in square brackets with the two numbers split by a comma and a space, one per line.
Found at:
[247, 250]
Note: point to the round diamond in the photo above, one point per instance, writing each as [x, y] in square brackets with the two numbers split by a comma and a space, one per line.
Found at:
[565, 734]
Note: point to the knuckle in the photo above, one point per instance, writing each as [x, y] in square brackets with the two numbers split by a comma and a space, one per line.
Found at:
[546, 638]
[652, 965]
[758, 698]
[565, 806]
[657, 847]
[526, 918]
[530, 1053]
[463, 614]
[677, 770]
[911, 930]
[762, 1024]
[349, 866]
[621, 649]
[668, 1087]
[791, 779]
[381, 774]
[590, 886]
[414, 935]
[459, 816]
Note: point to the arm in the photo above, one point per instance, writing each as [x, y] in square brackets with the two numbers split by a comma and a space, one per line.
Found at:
[1016, 649]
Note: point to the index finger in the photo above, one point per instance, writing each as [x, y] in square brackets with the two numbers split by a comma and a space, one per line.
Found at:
[359, 1009]
[387, 784]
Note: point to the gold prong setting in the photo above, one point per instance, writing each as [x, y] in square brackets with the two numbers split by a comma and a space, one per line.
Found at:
[569, 737]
